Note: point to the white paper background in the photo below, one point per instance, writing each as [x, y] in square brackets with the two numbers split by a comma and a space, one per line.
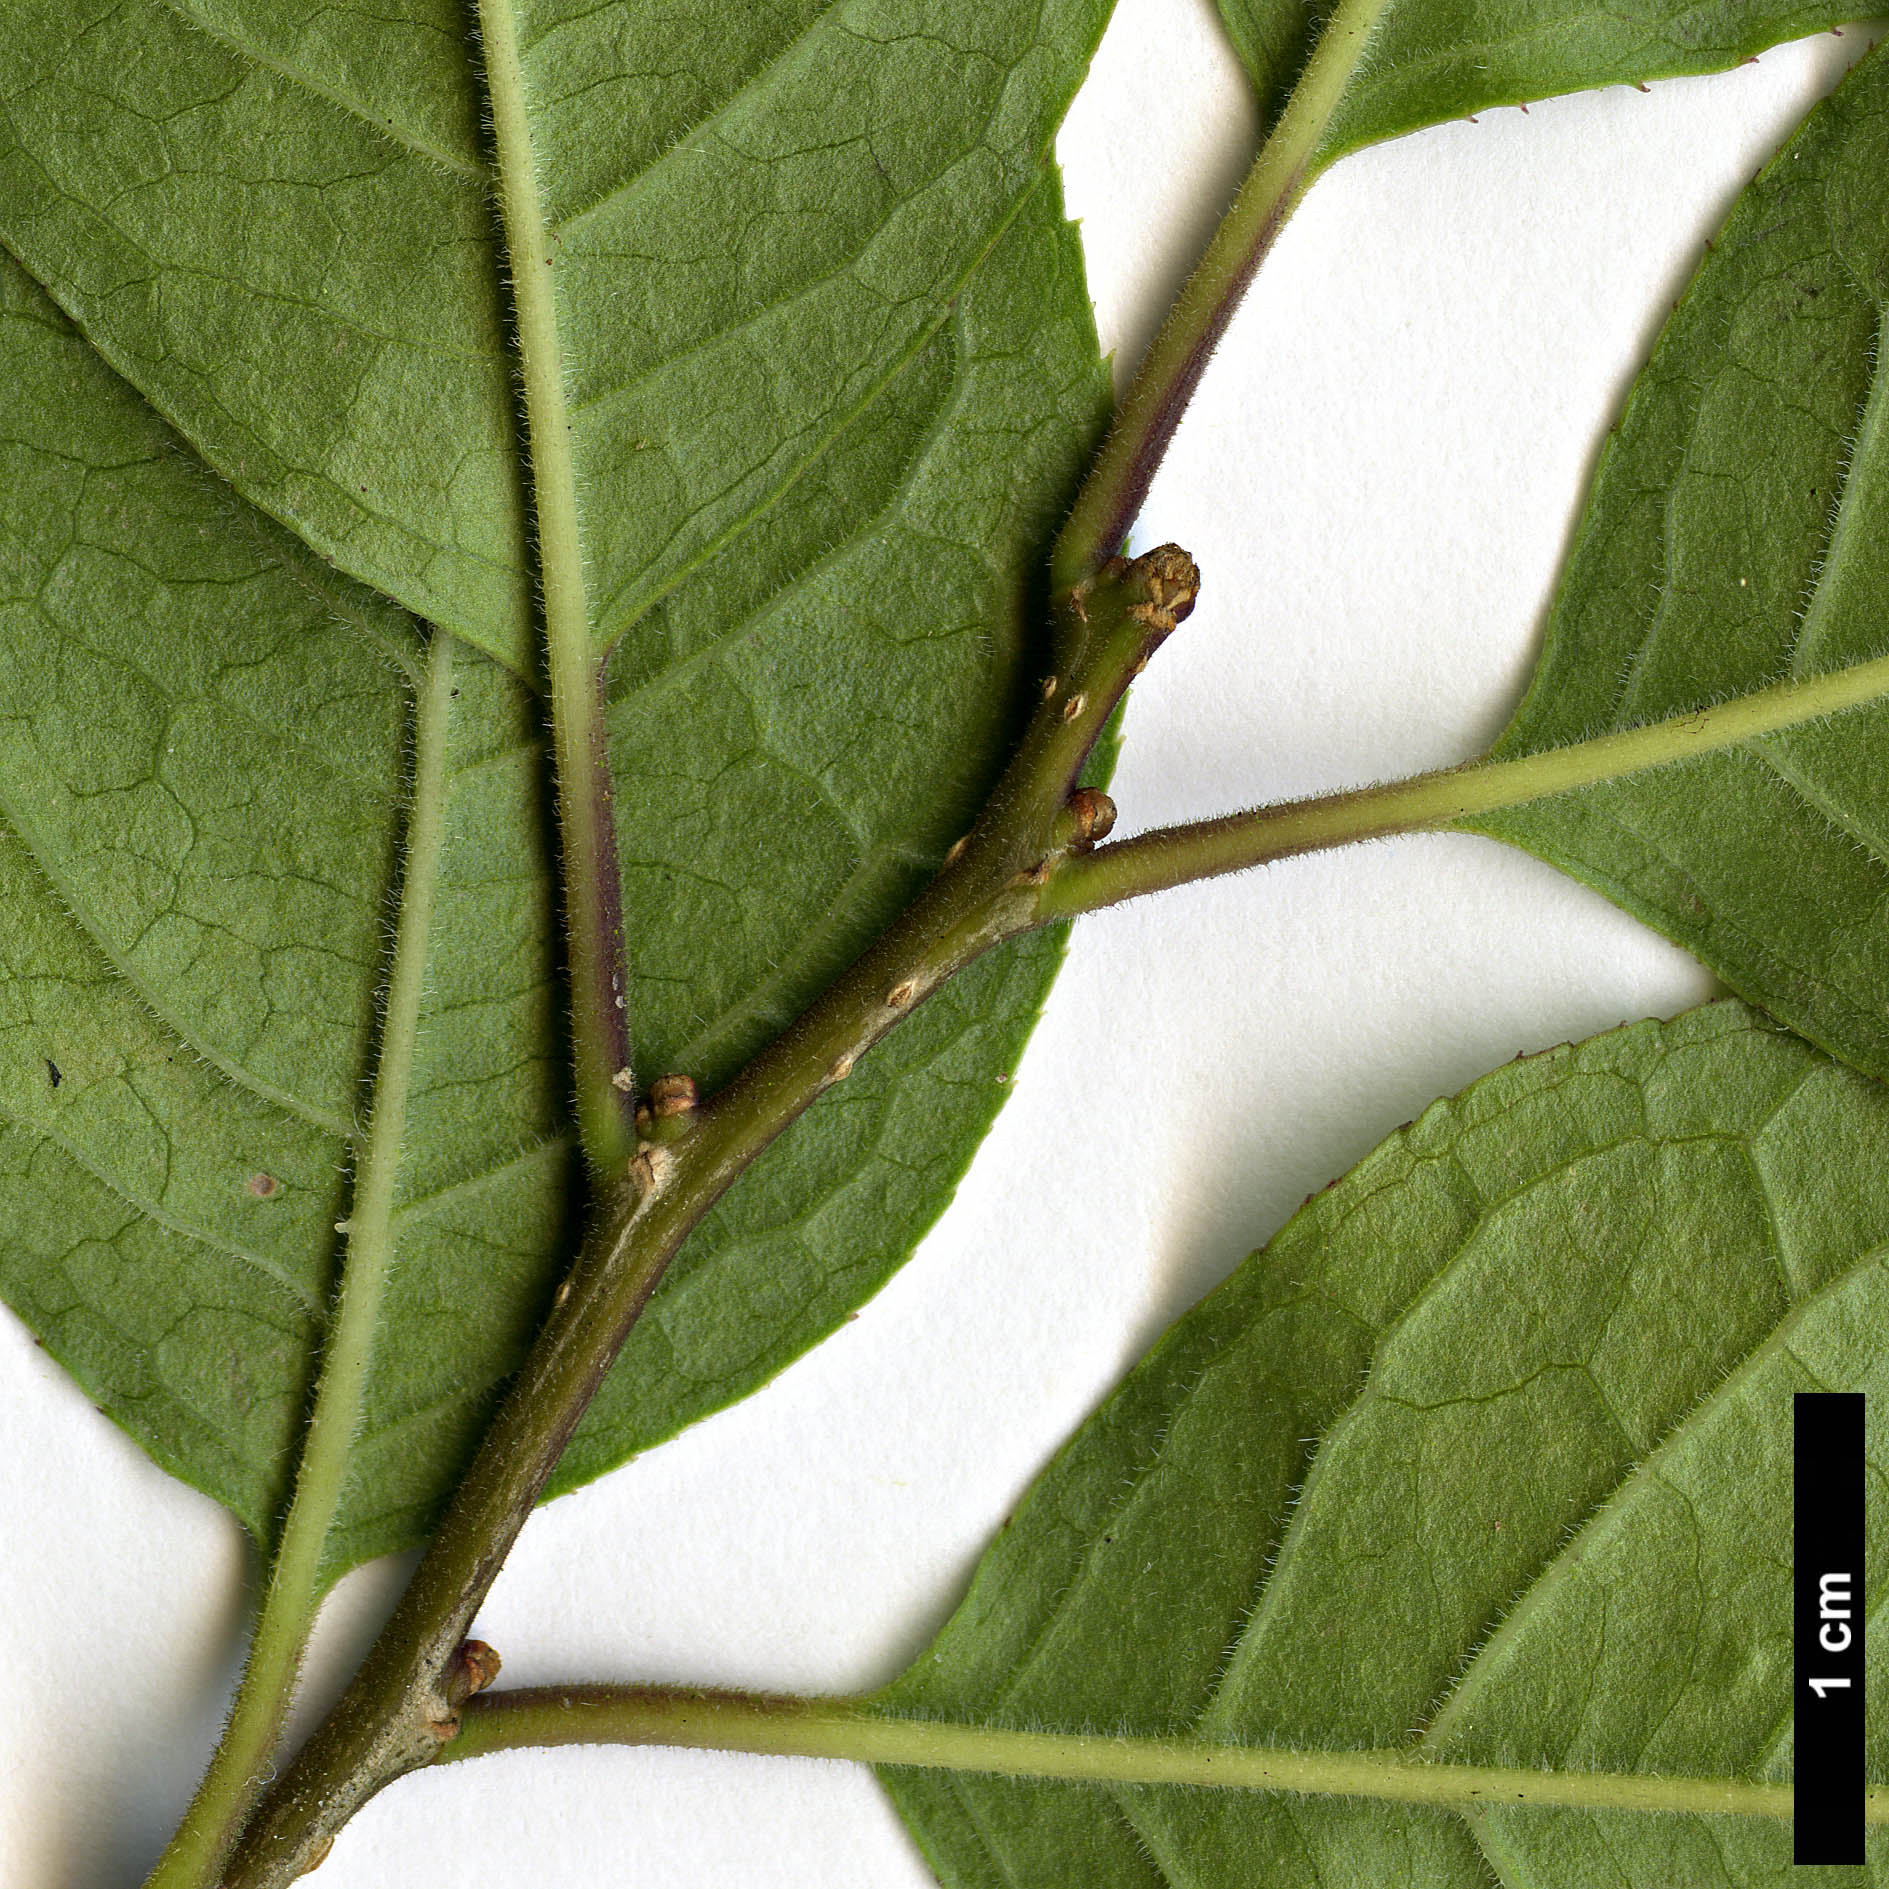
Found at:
[1378, 482]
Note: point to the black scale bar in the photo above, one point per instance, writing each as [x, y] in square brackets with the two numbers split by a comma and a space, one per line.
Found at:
[1827, 1531]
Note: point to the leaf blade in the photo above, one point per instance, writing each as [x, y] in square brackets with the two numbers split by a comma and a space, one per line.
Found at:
[1442, 1323]
[345, 368]
[203, 768]
[1435, 60]
[1747, 487]
[828, 173]
[486, 1162]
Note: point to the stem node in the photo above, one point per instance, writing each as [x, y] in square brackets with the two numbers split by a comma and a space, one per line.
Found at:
[671, 1110]
[473, 1668]
[1089, 817]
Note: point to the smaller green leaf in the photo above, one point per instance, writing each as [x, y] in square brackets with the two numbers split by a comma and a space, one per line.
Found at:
[1738, 538]
[1486, 1458]
[1433, 60]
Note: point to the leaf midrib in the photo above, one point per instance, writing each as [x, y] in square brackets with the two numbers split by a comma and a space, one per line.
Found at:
[540, 347]
[865, 1733]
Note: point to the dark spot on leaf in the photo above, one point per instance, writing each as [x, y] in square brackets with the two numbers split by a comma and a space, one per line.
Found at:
[261, 1186]
[52, 1073]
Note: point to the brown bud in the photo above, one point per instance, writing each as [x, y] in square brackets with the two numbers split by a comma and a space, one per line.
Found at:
[471, 1670]
[1092, 816]
[1169, 581]
[669, 1113]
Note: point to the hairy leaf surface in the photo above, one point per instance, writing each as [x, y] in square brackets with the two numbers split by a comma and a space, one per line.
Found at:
[1486, 1456]
[1738, 537]
[1433, 60]
[275, 220]
[203, 763]
[203, 755]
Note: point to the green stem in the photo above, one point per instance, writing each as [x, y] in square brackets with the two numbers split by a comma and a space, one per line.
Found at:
[850, 1729]
[1113, 493]
[1026, 864]
[600, 1038]
[396, 1713]
[401, 1707]
[297, 1578]
[1172, 856]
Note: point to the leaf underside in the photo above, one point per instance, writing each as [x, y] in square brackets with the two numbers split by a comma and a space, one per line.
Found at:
[1434, 60]
[832, 376]
[1486, 1456]
[852, 376]
[1738, 536]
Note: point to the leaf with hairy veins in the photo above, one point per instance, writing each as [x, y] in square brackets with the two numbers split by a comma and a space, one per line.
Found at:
[1484, 1460]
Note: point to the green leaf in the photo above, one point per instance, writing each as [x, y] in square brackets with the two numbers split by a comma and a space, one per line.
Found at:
[875, 420]
[798, 738]
[276, 221]
[1485, 1459]
[1433, 60]
[201, 770]
[1738, 537]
